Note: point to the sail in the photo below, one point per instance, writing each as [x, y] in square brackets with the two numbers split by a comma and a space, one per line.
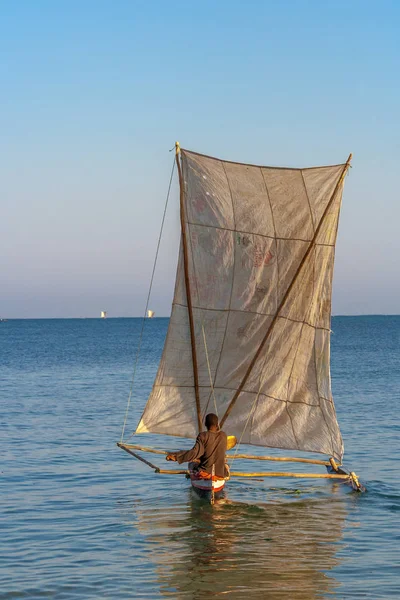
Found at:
[150, 314]
[261, 243]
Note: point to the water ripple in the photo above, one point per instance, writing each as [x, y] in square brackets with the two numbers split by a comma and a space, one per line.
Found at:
[80, 519]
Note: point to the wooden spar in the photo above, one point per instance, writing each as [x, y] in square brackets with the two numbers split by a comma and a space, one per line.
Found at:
[187, 284]
[352, 476]
[333, 464]
[144, 449]
[264, 474]
[146, 462]
[310, 461]
[173, 471]
[302, 475]
[299, 269]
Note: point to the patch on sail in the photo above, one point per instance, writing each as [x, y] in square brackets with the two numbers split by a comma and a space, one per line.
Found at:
[248, 230]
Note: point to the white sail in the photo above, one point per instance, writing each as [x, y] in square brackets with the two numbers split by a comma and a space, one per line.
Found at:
[103, 314]
[150, 314]
[249, 229]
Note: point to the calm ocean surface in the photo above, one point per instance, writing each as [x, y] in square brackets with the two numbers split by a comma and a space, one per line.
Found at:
[82, 519]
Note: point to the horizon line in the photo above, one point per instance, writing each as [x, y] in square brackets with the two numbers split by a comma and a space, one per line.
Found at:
[5, 319]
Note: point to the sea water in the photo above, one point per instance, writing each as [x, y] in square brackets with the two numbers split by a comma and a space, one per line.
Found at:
[81, 519]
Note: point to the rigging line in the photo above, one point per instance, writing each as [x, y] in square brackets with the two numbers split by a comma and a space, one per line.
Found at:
[209, 372]
[147, 303]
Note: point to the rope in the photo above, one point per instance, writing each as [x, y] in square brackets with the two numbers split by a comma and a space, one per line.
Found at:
[147, 305]
[209, 373]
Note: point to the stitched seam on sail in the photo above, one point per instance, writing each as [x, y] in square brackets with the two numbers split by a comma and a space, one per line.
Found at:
[270, 237]
[288, 384]
[232, 284]
[308, 200]
[328, 330]
[220, 387]
[275, 237]
[252, 312]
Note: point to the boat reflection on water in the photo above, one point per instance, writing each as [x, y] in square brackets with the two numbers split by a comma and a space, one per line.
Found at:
[277, 550]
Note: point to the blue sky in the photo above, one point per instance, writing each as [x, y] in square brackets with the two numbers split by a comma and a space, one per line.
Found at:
[94, 94]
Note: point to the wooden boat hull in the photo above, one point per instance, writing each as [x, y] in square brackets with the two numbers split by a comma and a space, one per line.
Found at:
[206, 485]
[206, 488]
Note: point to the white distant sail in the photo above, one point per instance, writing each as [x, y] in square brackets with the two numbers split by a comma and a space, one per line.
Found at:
[260, 254]
[150, 314]
[103, 314]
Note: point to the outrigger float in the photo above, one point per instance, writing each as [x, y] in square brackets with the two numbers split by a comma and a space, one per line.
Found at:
[249, 333]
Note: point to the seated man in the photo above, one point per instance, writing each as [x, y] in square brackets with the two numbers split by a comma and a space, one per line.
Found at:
[209, 449]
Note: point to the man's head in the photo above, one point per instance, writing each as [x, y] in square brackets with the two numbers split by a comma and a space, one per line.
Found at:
[212, 421]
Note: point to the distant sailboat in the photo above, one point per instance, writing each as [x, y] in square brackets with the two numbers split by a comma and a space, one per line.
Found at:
[103, 314]
[150, 314]
[250, 326]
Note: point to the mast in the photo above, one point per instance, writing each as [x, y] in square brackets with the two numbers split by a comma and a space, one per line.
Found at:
[187, 284]
[299, 268]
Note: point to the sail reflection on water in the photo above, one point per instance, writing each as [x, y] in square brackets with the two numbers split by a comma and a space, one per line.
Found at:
[274, 551]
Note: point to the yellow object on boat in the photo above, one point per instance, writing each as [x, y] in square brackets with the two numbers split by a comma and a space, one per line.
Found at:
[231, 442]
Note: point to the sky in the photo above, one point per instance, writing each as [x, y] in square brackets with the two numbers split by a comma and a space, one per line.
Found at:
[95, 93]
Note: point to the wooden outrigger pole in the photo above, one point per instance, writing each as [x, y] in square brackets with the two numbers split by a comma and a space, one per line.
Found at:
[187, 285]
[350, 477]
[310, 461]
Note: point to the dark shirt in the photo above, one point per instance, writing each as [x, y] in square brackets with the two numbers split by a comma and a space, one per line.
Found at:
[210, 448]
